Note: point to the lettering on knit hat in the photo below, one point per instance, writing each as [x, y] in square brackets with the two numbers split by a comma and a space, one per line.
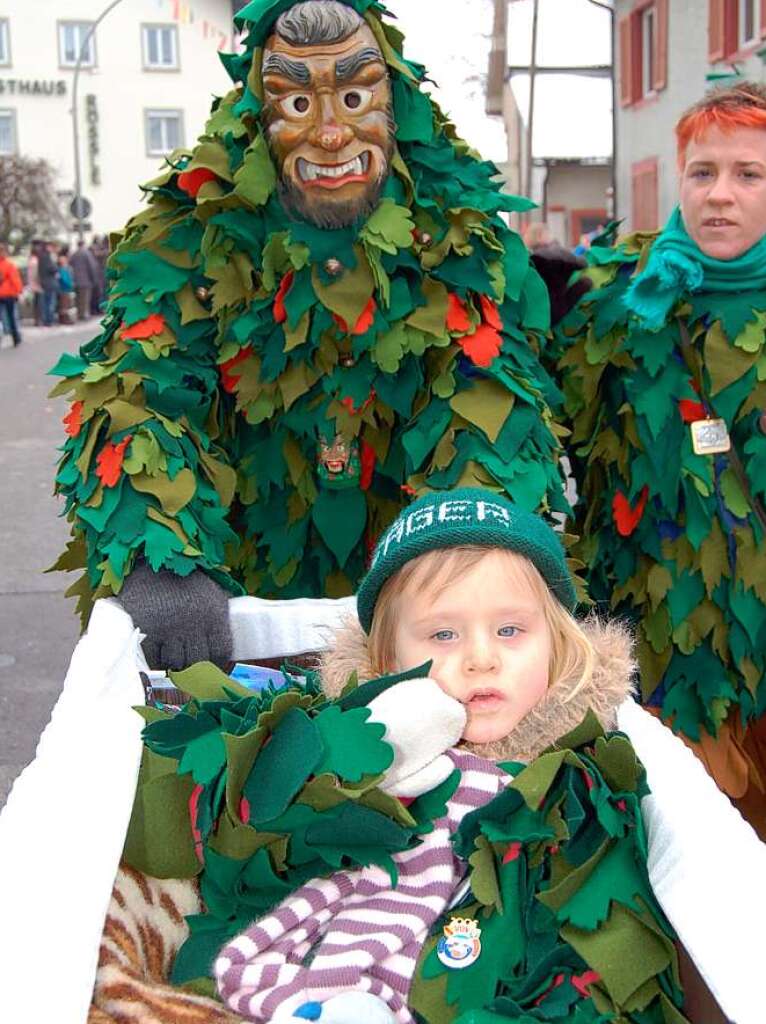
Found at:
[394, 534]
[449, 511]
[420, 519]
[490, 510]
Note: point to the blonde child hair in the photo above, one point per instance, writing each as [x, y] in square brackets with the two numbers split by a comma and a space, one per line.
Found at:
[572, 653]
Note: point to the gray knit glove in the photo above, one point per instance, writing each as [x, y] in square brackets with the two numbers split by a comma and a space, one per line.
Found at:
[185, 618]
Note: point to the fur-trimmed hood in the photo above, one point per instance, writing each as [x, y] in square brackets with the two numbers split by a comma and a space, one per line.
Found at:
[562, 708]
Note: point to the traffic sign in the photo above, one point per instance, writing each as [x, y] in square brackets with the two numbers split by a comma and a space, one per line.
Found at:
[80, 207]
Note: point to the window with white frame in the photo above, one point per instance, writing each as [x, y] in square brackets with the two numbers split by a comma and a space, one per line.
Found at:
[7, 132]
[5, 43]
[160, 44]
[164, 131]
[749, 22]
[73, 40]
[648, 50]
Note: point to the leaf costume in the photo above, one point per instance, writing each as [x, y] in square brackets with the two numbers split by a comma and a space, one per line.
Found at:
[266, 394]
[668, 341]
[557, 859]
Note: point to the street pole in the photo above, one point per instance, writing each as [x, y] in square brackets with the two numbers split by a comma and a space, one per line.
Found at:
[606, 5]
[75, 117]
[531, 115]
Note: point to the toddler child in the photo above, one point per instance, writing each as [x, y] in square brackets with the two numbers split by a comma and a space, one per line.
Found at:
[528, 898]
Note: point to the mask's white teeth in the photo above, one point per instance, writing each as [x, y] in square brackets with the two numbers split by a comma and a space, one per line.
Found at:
[310, 172]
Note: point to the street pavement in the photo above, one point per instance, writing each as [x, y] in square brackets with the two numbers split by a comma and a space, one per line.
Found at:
[38, 626]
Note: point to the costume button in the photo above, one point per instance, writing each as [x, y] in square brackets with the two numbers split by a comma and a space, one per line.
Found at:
[762, 422]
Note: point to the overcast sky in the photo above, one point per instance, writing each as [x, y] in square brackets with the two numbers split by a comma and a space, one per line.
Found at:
[452, 38]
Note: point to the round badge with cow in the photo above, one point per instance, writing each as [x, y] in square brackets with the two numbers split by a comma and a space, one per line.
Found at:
[460, 946]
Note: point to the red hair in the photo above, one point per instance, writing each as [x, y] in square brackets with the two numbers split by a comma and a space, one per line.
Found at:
[729, 108]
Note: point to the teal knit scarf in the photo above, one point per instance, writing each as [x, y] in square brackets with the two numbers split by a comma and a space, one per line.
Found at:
[677, 266]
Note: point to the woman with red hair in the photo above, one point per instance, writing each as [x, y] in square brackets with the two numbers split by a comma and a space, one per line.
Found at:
[664, 370]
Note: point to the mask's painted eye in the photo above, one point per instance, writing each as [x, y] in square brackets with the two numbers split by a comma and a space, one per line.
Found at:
[297, 106]
[357, 99]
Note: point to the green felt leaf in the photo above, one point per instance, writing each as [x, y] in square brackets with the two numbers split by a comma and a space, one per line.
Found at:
[203, 758]
[612, 952]
[725, 362]
[731, 489]
[585, 896]
[353, 747]
[340, 518]
[205, 681]
[487, 405]
[256, 178]
[617, 762]
[283, 766]
[159, 838]
[389, 227]
[534, 782]
[484, 884]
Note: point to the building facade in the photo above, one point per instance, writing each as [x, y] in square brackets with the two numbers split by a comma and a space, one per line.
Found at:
[571, 172]
[148, 75]
[667, 55]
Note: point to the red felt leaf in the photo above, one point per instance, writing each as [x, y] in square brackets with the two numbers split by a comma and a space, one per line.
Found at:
[367, 459]
[192, 181]
[73, 419]
[626, 518]
[558, 980]
[457, 314]
[109, 461]
[230, 380]
[489, 313]
[348, 403]
[407, 489]
[280, 313]
[482, 346]
[154, 324]
[363, 323]
[581, 981]
[691, 411]
[196, 793]
[512, 853]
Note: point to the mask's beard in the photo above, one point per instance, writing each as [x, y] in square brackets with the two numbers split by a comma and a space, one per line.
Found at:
[333, 214]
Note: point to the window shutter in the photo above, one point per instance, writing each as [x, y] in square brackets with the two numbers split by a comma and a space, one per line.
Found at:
[645, 195]
[716, 25]
[763, 19]
[661, 42]
[626, 61]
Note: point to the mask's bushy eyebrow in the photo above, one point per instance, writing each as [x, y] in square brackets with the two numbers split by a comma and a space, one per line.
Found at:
[278, 64]
[347, 67]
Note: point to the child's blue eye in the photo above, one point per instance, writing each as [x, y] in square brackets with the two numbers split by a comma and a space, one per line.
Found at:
[443, 634]
[508, 631]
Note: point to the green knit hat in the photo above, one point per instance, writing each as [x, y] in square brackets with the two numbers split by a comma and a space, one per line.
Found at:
[467, 515]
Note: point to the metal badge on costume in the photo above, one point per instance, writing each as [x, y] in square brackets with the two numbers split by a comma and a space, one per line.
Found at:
[710, 437]
[460, 945]
[339, 465]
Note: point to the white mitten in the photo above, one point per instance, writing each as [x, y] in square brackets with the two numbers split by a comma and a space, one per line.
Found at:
[421, 722]
[347, 1008]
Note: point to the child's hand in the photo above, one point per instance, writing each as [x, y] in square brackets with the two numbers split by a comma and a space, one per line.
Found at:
[421, 724]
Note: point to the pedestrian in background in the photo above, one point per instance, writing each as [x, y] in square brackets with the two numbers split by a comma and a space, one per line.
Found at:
[33, 280]
[47, 269]
[10, 289]
[99, 247]
[85, 271]
[537, 234]
[67, 313]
